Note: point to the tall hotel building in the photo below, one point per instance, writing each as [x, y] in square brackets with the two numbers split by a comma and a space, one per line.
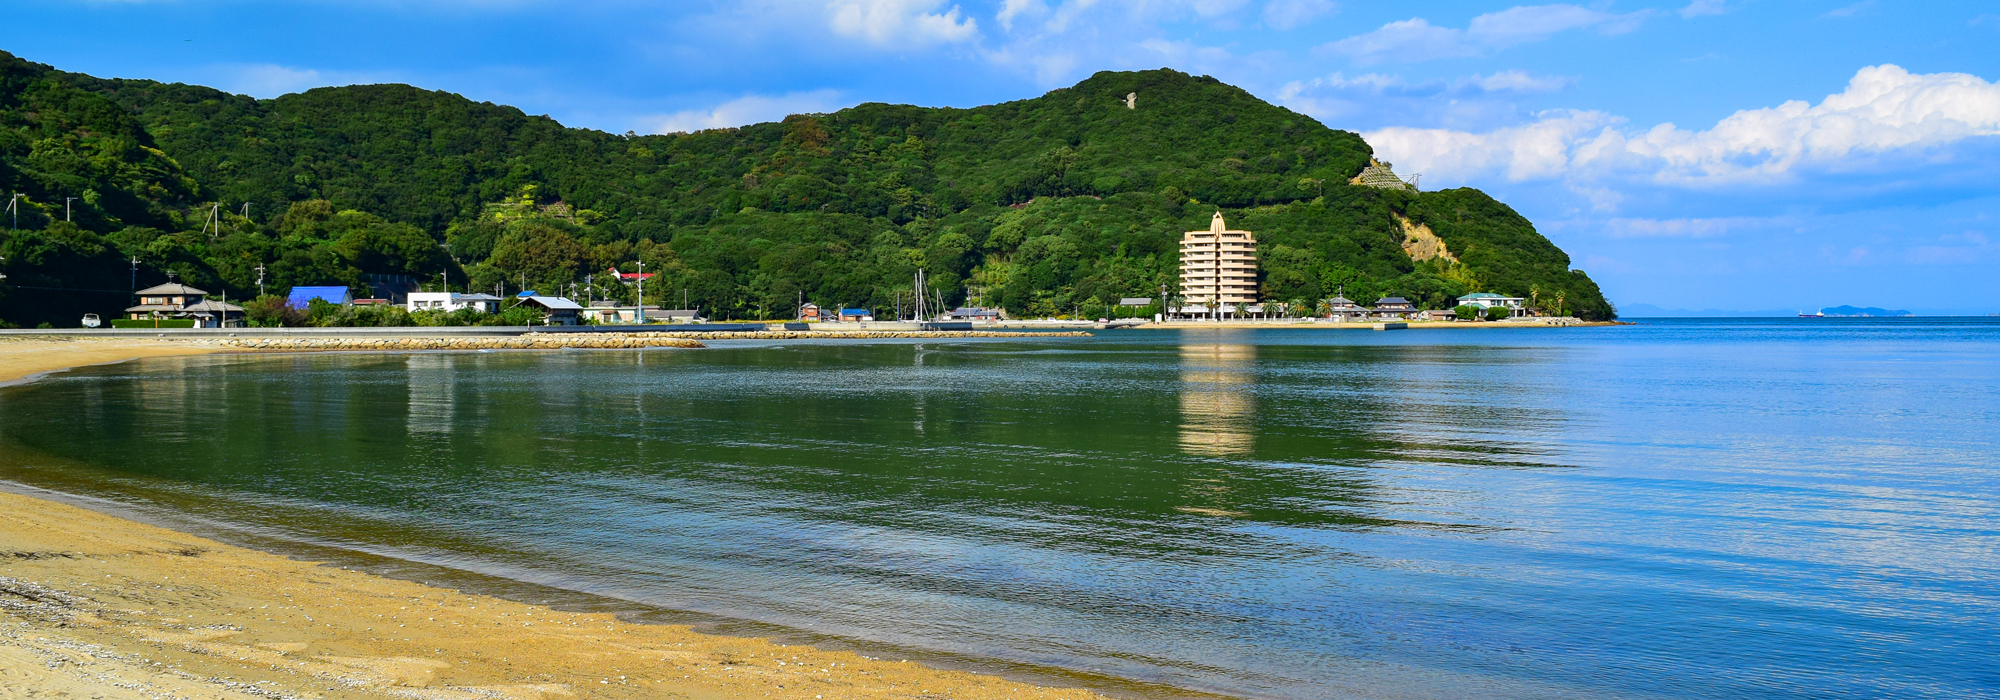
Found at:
[1218, 266]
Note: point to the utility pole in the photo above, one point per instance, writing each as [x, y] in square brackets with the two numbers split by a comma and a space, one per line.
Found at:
[66, 210]
[14, 206]
[640, 313]
[260, 279]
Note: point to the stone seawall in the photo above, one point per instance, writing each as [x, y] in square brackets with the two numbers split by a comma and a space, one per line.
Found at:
[810, 335]
[537, 341]
[556, 341]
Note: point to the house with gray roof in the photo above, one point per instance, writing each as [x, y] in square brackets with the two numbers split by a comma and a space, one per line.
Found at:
[1489, 300]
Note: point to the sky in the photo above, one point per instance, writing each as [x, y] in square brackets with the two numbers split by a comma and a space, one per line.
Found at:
[1691, 154]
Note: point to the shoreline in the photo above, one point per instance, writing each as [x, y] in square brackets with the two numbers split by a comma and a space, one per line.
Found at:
[96, 605]
[1369, 325]
[100, 604]
[27, 359]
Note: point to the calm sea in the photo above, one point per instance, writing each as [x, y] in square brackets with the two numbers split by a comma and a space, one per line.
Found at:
[1679, 509]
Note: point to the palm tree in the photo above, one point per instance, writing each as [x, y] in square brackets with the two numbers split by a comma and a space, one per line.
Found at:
[1325, 307]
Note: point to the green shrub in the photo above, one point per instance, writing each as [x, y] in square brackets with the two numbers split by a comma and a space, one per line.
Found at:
[1498, 313]
[270, 311]
[152, 323]
[1467, 312]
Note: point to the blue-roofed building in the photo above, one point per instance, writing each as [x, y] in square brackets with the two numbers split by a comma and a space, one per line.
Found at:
[857, 315]
[303, 296]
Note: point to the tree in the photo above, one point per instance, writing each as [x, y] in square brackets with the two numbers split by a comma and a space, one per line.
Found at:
[1044, 203]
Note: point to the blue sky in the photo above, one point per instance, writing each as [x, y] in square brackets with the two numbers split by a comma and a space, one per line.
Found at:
[1747, 154]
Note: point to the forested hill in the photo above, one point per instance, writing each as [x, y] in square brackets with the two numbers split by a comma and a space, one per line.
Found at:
[1046, 205]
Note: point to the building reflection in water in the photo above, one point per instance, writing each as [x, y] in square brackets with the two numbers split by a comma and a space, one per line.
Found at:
[432, 393]
[1216, 399]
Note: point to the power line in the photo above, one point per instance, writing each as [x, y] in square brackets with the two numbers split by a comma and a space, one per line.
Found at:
[64, 289]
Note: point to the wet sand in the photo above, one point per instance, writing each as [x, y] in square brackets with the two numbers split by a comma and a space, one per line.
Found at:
[25, 357]
[96, 606]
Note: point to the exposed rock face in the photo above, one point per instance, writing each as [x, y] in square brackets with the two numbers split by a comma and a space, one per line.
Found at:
[1421, 243]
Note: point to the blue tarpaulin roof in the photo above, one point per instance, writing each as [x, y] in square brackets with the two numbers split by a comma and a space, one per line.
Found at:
[301, 296]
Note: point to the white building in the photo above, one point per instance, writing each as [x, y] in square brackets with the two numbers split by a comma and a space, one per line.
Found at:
[1218, 266]
[1488, 300]
[452, 301]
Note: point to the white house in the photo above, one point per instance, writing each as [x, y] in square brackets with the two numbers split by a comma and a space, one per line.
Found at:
[561, 312]
[452, 301]
[1488, 300]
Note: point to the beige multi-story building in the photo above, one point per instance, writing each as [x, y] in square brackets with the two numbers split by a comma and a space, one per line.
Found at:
[1218, 266]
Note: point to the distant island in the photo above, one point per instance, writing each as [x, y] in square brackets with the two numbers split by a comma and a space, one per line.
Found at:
[1062, 204]
[1861, 311]
[1636, 310]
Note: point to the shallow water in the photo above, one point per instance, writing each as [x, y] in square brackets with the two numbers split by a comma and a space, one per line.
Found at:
[1681, 509]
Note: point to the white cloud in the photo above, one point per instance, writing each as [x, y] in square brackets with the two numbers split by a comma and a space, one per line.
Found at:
[265, 80]
[1519, 81]
[1417, 39]
[1692, 227]
[1286, 14]
[1700, 8]
[1850, 10]
[1539, 150]
[1373, 99]
[900, 23]
[1884, 111]
[749, 109]
[1019, 8]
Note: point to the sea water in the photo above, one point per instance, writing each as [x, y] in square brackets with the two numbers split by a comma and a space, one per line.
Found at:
[1679, 509]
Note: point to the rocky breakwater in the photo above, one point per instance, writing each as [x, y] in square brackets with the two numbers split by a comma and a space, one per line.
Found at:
[532, 341]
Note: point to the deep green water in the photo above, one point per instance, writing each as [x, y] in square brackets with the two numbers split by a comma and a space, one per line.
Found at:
[1692, 509]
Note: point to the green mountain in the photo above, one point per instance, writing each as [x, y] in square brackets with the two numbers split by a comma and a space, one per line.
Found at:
[1047, 205]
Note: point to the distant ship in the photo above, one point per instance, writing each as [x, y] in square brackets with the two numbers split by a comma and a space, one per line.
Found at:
[1815, 314]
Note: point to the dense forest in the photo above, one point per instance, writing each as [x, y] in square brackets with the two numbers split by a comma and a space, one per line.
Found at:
[1046, 206]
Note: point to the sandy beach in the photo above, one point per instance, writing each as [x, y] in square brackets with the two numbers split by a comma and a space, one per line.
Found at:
[25, 357]
[96, 606]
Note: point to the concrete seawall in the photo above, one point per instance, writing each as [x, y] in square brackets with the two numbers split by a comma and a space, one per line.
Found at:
[555, 341]
[522, 342]
[832, 335]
